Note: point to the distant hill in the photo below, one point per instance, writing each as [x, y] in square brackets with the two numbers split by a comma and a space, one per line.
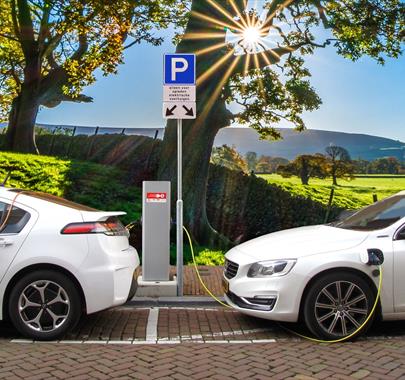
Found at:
[312, 141]
[294, 143]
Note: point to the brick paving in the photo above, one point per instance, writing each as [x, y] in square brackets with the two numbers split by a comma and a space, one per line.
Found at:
[198, 343]
[198, 324]
[379, 359]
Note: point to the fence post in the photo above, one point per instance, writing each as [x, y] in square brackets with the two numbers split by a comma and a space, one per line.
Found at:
[71, 141]
[375, 198]
[332, 193]
[92, 143]
[52, 142]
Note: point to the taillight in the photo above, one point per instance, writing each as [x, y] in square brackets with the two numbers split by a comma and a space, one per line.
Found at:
[110, 227]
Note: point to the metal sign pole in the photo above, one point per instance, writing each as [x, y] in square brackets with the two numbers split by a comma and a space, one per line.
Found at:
[179, 209]
[179, 102]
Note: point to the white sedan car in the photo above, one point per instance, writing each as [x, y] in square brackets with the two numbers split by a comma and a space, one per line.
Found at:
[59, 259]
[322, 274]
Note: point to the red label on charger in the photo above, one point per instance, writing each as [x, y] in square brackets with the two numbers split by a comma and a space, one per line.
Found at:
[156, 197]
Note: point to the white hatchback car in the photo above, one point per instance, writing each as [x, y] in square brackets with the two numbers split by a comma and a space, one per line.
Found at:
[319, 274]
[59, 259]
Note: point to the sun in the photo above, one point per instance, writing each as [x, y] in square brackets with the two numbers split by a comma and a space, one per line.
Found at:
[251, 35]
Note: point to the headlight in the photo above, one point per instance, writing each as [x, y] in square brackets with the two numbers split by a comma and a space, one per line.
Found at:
[273, 268]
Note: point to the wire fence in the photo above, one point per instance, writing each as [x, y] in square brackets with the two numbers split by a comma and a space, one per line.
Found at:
[73, 130]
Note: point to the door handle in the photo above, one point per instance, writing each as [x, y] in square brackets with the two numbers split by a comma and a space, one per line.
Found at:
[5, 242]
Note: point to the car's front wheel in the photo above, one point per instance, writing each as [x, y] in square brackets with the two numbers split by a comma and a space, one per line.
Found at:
[44, 304]
[337, 305]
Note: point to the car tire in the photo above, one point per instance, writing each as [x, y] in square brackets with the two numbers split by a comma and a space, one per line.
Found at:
[331, 316]
[44, 305]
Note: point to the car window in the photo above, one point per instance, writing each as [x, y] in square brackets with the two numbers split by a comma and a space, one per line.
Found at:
[400, 234]
[377, 216]
[16, 221]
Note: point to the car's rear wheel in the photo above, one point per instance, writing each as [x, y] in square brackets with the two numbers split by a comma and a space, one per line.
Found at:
[44, 304]
[337, 305]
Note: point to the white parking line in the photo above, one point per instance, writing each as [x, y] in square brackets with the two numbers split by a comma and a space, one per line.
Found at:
[151, 327]
[147, 342]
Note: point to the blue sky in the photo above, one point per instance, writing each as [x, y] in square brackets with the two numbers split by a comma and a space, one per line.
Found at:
[359, 97]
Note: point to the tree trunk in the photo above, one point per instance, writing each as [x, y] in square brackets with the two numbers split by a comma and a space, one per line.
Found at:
[304, 172]
[20, 136]
[304, 179]
[199, 134]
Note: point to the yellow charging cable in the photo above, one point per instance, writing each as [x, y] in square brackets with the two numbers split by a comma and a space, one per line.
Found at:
[285, 328]
[198, 273]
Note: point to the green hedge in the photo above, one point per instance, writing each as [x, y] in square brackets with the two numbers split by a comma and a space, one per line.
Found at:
[99, 186]
[243, 207]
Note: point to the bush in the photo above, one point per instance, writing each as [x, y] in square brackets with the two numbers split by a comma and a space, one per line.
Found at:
[243, 207]
[208, 257]
[102, 187]
[40, 173]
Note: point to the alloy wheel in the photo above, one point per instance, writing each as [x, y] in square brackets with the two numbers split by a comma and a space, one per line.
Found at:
[341, 307]
[44, 306]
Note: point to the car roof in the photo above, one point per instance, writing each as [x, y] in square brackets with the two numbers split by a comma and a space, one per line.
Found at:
[37, 199]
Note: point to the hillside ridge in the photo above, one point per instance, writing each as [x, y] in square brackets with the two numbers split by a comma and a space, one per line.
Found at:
[367, 147]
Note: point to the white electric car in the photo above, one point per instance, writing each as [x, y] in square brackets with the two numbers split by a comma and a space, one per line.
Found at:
[322, 274]
[59, 259]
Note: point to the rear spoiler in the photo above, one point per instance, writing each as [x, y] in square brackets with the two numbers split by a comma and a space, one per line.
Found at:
[98, 216]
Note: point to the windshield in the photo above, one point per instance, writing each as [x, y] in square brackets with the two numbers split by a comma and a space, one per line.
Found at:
[377, 216]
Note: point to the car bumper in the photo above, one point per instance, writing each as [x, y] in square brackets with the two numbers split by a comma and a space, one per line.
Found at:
[274, 298]
[134, 286]
[112, 283]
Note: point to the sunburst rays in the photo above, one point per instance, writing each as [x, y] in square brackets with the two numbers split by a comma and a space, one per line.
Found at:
[248, 35]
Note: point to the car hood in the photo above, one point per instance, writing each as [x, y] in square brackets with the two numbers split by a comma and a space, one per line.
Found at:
[303, 241]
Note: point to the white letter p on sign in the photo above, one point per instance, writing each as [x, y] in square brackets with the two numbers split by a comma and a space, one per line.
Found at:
[178, 69]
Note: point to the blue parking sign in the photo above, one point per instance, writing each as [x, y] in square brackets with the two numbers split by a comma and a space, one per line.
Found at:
[179, 69]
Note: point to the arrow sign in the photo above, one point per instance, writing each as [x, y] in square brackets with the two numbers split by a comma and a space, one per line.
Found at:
[169, 112]
[179, 86]
[189, 112]
[179, 110]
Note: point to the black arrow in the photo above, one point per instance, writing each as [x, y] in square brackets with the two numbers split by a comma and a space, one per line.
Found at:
[169, 112]
[189, 112]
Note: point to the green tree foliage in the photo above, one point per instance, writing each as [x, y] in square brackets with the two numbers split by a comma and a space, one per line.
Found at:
[384, 165]
[305, 167]
[228, 157]
[268, 164]
[49, 50]
[251, 160]
[361, 166]
[388, 165]
[268, 80]
[339, 163]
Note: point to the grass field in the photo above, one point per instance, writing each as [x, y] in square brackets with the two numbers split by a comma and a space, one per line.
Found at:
[349, 194]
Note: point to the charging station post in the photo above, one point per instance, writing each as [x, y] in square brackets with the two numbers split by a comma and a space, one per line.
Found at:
[179, 209]
[179, 102]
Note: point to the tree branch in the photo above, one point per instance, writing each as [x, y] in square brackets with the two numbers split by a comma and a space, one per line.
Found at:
[44, 28]
[17, 30]
[27, 36]
[322, 14]
[268, 57]
[82, 49]
[9, 37]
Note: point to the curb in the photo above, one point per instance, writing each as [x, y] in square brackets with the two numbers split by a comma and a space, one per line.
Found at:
[173, 301]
